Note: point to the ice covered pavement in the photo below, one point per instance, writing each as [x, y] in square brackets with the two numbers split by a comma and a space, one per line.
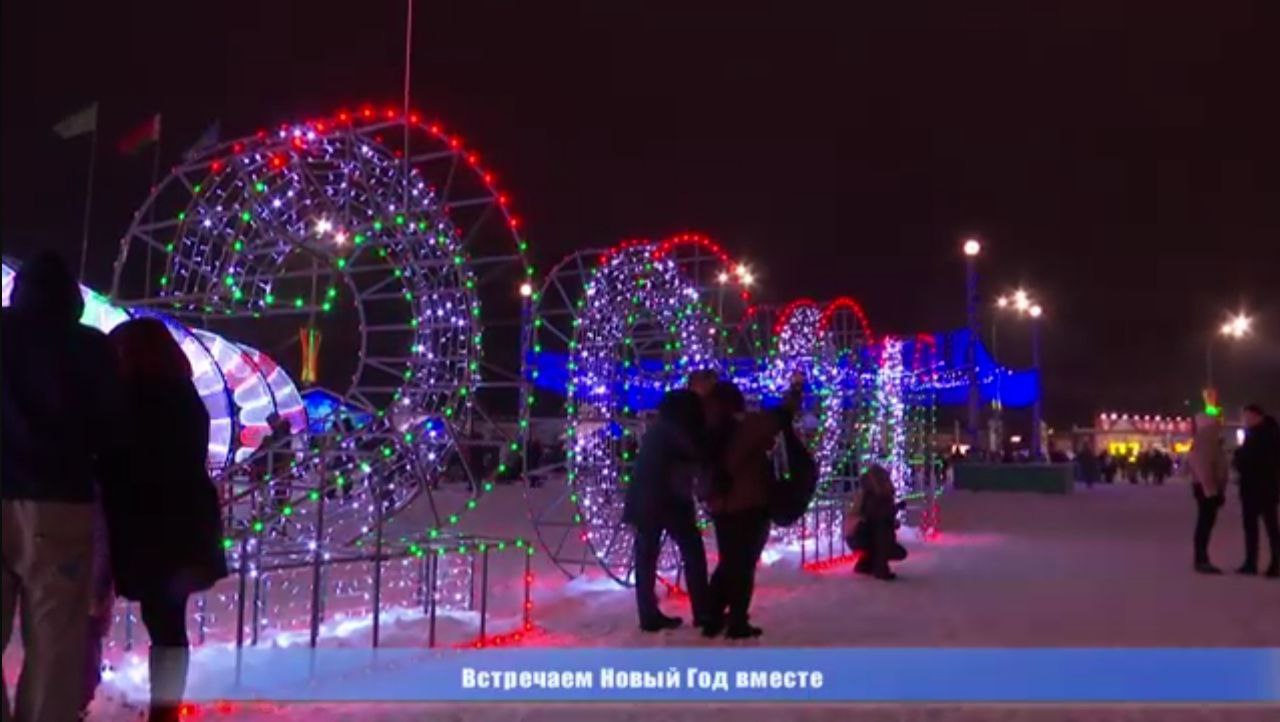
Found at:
[1107, 567]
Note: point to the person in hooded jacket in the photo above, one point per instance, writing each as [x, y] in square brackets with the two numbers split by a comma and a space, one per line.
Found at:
[660, 498]
[64, 428]
[1258, 463]
[1208, 464]
[166, 526]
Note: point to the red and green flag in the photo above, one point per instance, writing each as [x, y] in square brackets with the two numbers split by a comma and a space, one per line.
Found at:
[141, 136]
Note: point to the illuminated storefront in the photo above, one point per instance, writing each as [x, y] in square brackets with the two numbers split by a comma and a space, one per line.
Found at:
[1127, 435]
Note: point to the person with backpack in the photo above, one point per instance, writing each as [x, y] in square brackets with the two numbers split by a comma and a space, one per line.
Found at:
[742, 490]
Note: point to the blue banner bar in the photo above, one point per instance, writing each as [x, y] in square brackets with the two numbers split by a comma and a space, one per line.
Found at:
[748, 675]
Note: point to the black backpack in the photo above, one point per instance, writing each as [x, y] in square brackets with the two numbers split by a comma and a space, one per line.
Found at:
[793, 491]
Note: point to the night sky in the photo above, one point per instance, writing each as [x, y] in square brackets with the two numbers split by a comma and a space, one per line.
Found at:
[1122, 160]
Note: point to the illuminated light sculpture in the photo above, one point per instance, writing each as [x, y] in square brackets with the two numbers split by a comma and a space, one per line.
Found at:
[905, 420]
[832, 346]
[386, 235]
[240, 387]
[618, 329]
[870, 401]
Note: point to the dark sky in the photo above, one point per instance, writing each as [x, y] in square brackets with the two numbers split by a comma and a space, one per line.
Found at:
[1121, 159]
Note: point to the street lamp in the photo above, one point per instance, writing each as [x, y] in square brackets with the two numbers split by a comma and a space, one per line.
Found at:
[1234, 328]
[1021, 303]
[972, 247]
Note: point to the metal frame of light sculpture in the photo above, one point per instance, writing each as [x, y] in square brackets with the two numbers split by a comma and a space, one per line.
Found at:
[922, 460]
[386, 231]
[906, 413]
[632, 322]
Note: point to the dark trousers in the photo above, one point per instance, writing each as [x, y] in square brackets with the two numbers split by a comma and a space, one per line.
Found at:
[740, 539]
[1267, 510]
[1206, 515]
[165, 616]
[682, 527]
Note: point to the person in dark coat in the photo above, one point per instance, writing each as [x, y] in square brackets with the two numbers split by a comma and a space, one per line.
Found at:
[1258, 463]
[1089, 465]
[660, 500]
[63, 429]
[1107, 463]
[166, 527]
[875, 533]
[741, 472]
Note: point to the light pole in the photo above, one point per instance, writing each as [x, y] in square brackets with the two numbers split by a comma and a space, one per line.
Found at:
[1021, 303]
[1234, 329]
[1037, 440]
[972, 247]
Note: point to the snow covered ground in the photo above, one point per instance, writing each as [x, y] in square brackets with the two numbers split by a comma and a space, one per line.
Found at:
[1108, 567]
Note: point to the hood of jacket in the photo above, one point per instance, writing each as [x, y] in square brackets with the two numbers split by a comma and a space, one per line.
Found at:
[44, 289]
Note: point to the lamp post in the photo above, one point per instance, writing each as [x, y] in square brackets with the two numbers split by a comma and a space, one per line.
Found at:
[1234, 329]
[972, 247]
[1021, 303]
[1037, 440]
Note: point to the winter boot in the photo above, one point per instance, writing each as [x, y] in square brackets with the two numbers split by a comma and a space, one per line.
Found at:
[168, 667]
[742, 630]
[712, 627]
[661, 623]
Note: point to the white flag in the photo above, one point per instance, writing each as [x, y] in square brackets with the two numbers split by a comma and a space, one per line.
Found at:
[207, 140]
[86, 121]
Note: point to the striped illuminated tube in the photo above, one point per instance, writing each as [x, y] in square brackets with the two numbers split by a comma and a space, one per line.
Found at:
[241, 387]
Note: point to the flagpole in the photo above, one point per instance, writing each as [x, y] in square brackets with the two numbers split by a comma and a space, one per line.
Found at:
[408, 55]
[151, 211]
[88, 196]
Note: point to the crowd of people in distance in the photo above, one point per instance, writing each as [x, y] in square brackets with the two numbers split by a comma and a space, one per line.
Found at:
[1149, 466]
[94, 504]
[706, 446]
[1257, 462]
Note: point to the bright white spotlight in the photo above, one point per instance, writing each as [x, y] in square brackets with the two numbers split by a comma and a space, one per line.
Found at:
[526, 289]
[1238, 327]
[972, 247]
[323, 226]
[1035, 310]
